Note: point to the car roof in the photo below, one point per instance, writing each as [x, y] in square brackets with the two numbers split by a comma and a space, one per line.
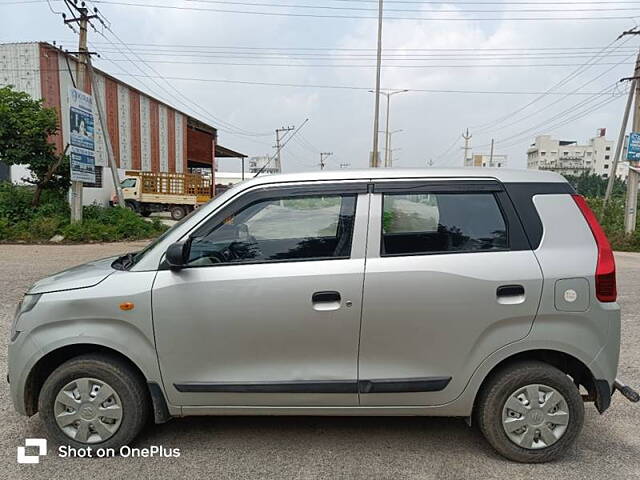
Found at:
[501, 174]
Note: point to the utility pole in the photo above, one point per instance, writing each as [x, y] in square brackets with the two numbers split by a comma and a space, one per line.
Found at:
[102, 117]
[373, 162]
[81, 18]
[324, 155]
[467, 136]
[631, 201]
[619, 144]
[280, 130]
[280, 147]
[491, 154]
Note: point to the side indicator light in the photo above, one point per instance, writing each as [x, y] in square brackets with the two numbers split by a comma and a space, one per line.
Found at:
[127, 306]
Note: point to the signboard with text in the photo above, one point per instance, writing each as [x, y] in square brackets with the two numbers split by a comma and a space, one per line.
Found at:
[82, 145]
[633, 148]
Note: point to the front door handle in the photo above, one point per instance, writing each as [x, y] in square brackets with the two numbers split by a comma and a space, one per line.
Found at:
[326, 301]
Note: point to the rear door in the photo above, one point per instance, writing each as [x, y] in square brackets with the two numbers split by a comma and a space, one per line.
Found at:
[450, 278]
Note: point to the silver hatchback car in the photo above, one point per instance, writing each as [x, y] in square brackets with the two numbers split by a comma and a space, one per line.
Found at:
[489, 295]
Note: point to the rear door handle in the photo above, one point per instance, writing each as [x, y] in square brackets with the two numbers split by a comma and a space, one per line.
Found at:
[510, 290]
[510, 294]
[326, 301]
[326, 297]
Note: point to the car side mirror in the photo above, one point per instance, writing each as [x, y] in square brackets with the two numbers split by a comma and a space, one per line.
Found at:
[177, 255]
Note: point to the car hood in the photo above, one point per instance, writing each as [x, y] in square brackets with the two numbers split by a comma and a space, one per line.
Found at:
[82, 276]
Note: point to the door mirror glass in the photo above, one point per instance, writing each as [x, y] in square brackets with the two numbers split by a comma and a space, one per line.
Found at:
[177, 254]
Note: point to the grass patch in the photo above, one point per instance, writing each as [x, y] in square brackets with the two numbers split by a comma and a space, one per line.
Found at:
[21, 222]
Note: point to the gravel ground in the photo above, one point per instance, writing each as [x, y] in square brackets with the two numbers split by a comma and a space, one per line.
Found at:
[319, 447]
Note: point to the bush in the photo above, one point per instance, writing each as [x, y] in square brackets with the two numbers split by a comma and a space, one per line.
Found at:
[20, 222]
[15, 202]
[613, 224]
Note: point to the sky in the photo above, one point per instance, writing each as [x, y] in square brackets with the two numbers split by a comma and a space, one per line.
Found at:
[466, 65]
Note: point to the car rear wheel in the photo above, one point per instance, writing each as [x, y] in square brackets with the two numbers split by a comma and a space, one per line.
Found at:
[530, 412]
[94, 400]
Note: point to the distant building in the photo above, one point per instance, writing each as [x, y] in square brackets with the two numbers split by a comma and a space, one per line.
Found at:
[487, 161]
[567, 157]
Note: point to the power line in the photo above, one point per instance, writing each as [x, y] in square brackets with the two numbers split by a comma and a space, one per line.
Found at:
[313, 15]
[474, 49]
[565, 96]
[434, 2]
[582, 68]
[357, 9]
[549, 125]
[367, 56]
[406, 10]
[226, 126]
[337, 87]
[334, 65]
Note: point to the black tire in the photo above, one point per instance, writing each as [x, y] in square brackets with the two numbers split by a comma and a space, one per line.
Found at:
[178, 212]
[502, 385]
[116, 373]
[131, 205]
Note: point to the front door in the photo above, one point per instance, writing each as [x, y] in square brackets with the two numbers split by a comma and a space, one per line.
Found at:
[267, 312]
[450, 279]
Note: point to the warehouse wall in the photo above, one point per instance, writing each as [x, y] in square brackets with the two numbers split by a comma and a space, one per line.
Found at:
[145, 133]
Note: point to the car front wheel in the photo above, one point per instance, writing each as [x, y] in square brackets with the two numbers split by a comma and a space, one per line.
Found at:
[530, 412]
[93, 400]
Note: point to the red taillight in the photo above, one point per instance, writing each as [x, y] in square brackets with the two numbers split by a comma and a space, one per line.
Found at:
[606, 267]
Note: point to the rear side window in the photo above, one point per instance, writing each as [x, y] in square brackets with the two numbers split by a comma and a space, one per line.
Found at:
[424, 223]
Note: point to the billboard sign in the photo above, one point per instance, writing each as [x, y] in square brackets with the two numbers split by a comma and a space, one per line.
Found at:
[82, 144]
[633, 149]
[82, 165]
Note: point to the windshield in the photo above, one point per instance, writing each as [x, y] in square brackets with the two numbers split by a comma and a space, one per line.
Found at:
[128, 183]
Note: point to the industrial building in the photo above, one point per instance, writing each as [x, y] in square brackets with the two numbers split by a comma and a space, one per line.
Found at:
[146, 133]
[567, 157]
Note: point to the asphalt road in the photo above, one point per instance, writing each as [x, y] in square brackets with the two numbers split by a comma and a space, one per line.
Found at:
[319, 447]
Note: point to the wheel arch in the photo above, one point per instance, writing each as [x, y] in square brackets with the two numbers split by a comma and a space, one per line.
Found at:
[53, 359]
[598, 391]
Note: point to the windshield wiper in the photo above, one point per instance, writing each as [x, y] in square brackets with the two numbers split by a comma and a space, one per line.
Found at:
[125, 262]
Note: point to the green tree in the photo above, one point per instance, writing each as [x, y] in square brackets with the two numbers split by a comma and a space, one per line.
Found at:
[25, 129]
[593, 185]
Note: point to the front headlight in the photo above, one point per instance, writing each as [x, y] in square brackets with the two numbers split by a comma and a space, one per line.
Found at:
[27, 304]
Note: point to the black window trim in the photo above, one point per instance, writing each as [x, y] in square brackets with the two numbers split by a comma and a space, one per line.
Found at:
[277, 192]
[516, 238]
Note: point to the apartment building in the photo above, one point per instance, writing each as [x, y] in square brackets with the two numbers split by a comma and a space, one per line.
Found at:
[568, 157]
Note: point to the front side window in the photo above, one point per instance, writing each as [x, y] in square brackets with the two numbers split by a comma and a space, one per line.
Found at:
[279, 229]
[128, 183]
[442, 222]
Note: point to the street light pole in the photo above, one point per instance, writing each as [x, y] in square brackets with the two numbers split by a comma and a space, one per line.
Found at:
[387, 135]
[388, 94]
